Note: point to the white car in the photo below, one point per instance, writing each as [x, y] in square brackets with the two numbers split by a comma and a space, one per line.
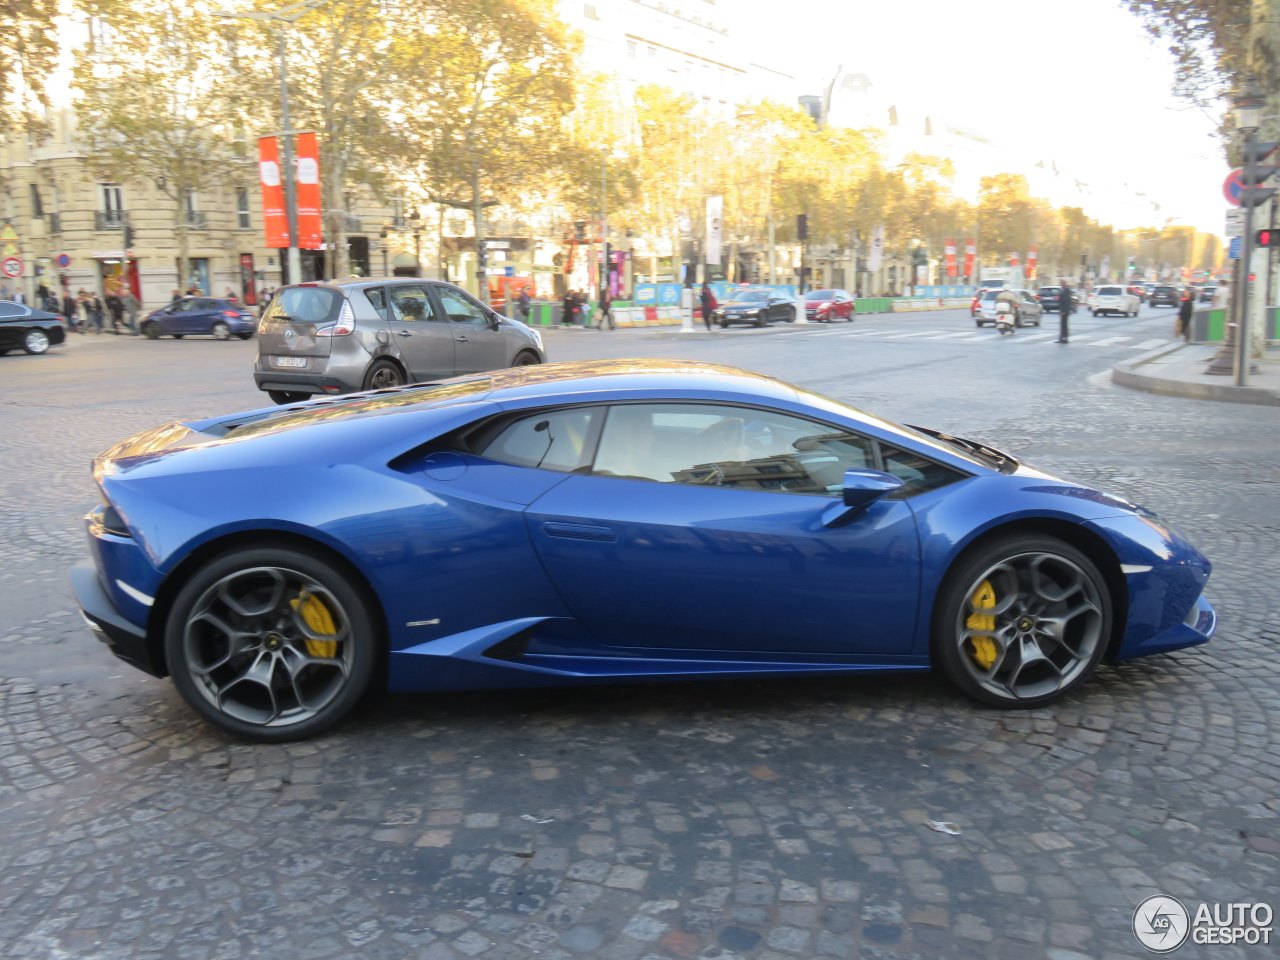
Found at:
[1114, 298]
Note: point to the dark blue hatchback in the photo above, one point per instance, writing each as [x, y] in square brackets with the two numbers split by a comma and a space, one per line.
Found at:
[206, 316]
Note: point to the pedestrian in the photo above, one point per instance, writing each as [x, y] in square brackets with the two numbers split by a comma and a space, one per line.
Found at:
[115, 307]
[584, 308]
[708, 300]
[93, 311]
[1186, 310]
[5, 292]
[1066, 307]
[45, 299]
[524, 305]
[19, 296]
[606, 308]
[131, 308]
[71, 311]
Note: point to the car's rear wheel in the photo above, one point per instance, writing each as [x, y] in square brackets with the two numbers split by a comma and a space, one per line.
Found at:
[178, 336]
[244, 336]
[1022, 621]
[271, 644]
[383, 374]
[151, 330]
[221, 331]
[36, 341]
[525, 358]
[287, 396]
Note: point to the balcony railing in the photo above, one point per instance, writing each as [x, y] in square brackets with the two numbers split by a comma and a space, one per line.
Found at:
[109, 219]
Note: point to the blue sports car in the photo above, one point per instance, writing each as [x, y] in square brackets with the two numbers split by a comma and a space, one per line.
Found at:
[611, 521]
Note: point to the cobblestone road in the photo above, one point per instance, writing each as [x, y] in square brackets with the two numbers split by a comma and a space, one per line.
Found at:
[750, 820]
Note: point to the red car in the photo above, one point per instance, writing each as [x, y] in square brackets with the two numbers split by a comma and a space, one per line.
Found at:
[825, 306]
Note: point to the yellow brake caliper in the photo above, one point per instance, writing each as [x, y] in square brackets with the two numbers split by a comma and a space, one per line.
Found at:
[315, 614]
[983, 650]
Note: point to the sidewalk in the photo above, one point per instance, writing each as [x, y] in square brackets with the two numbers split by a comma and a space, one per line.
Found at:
[1179, 371]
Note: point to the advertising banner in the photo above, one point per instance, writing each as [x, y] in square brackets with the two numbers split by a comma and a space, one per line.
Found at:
[877, 249]
[970, 252]
[310, 230]
[715, 218]
[274, 221]
[1032, 255]
[950, 251]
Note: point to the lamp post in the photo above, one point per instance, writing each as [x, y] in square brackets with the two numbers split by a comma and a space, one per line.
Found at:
[415, 220]
[383, 236]
[284, 16]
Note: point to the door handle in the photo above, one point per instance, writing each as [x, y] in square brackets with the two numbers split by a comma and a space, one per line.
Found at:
[579, 531]
[461, 339]
[404, 333]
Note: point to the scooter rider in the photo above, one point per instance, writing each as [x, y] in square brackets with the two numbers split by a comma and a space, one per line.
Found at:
[1006, 311]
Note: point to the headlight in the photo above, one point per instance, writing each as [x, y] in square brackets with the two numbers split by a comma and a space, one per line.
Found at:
[750, 313]
[537, 336]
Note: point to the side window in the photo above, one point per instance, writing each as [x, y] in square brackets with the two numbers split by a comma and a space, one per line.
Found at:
[555, 440]
[726, 446]
[410, 302]
[916, 473]
[205, 306]
[183, 305]
[461, 309]
[377, 298]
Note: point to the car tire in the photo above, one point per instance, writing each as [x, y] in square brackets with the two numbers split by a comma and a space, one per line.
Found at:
[383, 374]
[759, 323]
[221, 331]
[724, 324]
[1094, 312]
[271, 644]
[151, 330]
[526, 358]
[244, 336]
[287, 396]
[178, 336]
[36, 342]
[979, 324]
[1050, 619]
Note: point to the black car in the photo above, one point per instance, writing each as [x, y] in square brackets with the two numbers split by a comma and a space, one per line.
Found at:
[24, 328]
[1163, 295]
[756, 307]
[1051, 299]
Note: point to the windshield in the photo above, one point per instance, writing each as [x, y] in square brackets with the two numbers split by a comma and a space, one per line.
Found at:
[821, 294]
[752, 295]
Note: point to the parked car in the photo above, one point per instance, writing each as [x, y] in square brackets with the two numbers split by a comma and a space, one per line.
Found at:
[825, 306]
[1113, 298]
[1051, 299]
[1163, 295]
[755, 306]
[469, 535]
[1208, 292]
[26, 328]
[197, 316]
[341, 336]
[1027, 311]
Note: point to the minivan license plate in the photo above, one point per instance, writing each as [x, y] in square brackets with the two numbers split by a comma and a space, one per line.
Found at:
[291, 361]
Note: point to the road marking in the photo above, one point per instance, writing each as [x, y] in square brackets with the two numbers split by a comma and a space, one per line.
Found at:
[1110, 341]
[919, 333]
[1033, 338]
[947, 336]
[1148, 344]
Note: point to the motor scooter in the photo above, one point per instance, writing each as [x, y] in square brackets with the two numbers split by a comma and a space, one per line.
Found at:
[1006, 319]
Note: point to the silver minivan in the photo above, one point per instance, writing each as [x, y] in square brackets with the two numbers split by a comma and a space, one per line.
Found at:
[340, 336]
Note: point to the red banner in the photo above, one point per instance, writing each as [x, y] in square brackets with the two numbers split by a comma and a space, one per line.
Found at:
[970, 251]
[310, 230]
[274, 220]
[950, 251]
[1014, 262]
[1032, 255]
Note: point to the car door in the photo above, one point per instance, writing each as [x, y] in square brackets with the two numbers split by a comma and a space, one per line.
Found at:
[12, 326]
[479, 342]
[700, 527]
[421, 336]
[1031, 309]
[201, 318]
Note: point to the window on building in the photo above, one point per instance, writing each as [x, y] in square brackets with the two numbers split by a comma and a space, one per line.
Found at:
[37, 205]
[242, 208]
[631, 49]
[112, 202]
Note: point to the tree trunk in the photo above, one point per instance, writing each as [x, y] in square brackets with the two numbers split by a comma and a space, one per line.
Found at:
[184, 245]
[477, 212]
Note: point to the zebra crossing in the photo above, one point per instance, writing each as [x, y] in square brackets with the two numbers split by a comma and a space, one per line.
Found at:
[1021, 338]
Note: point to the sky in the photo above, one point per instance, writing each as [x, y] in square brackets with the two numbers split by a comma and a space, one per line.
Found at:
[1084, 86]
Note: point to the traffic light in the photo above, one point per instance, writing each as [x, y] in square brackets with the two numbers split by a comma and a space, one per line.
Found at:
[802, 226]
[1255, 172]
[1266, 238]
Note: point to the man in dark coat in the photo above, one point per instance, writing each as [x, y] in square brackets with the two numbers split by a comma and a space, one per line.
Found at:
[707, 302]
[1185, 310]
[1066, 307]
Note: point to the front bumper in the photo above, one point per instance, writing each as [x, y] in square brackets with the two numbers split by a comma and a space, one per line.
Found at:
[126, 640]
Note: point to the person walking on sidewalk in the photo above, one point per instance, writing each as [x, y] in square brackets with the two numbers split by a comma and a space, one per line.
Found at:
[131, 308]
[71, 310]
[708, 302]
[1066, 307]
[524, 305]
[606, 309]
[1185, 311]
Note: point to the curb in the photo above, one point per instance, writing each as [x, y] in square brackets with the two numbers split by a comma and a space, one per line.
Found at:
[1127, 374]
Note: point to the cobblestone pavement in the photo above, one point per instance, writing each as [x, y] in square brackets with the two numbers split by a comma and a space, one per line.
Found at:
[750, 820]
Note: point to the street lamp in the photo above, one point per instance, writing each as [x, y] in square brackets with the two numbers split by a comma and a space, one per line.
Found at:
[286, 16]
[415, 220]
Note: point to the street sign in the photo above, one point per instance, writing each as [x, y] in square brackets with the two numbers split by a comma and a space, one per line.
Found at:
[1233, 251]
[1235, 222]
[1233, 187]
[11, 267]
[63, 260]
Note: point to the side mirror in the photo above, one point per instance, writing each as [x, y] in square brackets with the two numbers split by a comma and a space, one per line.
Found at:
[861, 488]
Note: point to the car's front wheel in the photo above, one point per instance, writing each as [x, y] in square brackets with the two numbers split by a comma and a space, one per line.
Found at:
[271, 644]
[525, 358]
[151, 330]
[36, 341]
[221, 331]
[1022, 621]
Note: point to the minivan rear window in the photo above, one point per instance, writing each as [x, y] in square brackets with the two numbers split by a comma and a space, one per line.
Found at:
[1109, 291]
[303, 304]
